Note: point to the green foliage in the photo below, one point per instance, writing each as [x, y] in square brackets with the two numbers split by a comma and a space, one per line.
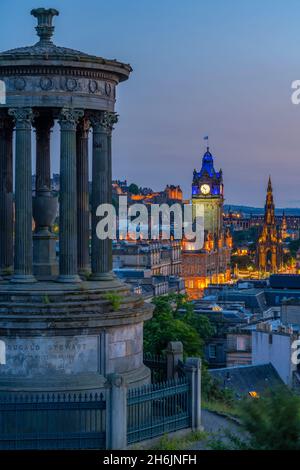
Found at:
[182, 442]
[273, 421]
[167, 443]
[133, 188]
[228, 409]
[230, 441]
[212, 392]
[46, 299]
[114, 298]
[168, 324]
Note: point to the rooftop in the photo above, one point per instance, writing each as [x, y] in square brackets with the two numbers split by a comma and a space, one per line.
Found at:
[245, 379]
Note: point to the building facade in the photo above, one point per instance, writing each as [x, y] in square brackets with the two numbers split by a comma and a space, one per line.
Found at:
[211, 263]
[269, 246]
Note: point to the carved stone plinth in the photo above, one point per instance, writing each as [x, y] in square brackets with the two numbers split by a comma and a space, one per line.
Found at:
[67, 337]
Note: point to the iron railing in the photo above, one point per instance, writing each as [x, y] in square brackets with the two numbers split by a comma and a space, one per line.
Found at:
[153, 410]
[158, 367]
[57, 421]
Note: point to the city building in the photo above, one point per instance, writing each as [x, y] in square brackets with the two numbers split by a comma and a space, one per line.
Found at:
[272, 342]
[223, 316]
[170, 195]
[239, 221]
[269, 246]
[239, 350]
[211, 263]
[248, 380]
[152, 267]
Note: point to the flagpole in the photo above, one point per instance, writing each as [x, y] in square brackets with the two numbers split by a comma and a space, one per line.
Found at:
[206, 138]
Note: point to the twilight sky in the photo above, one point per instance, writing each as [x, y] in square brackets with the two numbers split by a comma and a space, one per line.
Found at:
[221, 68]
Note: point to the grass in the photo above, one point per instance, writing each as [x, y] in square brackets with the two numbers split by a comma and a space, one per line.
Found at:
[228, 409]
[46, 299]
[180, 443]
[114, 299]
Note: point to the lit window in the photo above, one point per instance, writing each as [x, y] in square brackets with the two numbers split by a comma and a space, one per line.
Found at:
[241, 343]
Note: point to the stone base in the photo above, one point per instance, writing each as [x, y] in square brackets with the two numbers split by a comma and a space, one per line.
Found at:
[23, 279]
[45, 266]
[83, 383]
[67, 338]
[68, 278]
[107, 276]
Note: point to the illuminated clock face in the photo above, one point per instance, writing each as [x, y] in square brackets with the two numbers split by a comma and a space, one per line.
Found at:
[205, 189]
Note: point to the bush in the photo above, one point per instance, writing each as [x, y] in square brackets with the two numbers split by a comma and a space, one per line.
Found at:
[168, 324]
[273, 421]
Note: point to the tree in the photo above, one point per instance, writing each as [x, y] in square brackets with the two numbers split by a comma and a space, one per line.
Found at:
[133, 188]
[169, 324]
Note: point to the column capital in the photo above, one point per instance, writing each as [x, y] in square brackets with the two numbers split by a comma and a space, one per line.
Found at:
[103, 121]
[69, 117]
[110, 119]
[22, 115]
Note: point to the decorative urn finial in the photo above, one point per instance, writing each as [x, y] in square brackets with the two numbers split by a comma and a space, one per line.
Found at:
[44, 28]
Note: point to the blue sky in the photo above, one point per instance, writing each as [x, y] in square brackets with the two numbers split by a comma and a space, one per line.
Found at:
[217, 67]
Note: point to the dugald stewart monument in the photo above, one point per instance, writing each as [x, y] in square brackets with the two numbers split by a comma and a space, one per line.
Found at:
[60, 329]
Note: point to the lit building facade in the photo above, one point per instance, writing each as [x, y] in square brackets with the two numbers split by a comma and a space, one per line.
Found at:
[269, 246]
[211, 263]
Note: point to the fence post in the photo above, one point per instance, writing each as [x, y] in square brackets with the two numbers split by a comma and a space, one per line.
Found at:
[116, 413]
[192, 368]
[174, 355]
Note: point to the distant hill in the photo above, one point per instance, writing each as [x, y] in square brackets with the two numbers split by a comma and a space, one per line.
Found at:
[247, 210]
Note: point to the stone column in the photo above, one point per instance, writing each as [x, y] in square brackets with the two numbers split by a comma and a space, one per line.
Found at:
[68, 119]
[102, 124]
[43, 127]
[83, 209]
[44, 205]
[116, 412]
[174, 356]
[23, 196]
[192, 369]
[6, 196]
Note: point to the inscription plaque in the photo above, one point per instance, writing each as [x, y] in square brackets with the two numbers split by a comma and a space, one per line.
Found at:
[44, 355]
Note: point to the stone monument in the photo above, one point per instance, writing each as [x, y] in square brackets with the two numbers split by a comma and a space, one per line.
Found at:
[60, 332]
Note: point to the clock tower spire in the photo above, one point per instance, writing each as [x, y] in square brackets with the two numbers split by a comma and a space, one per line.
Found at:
[207, 189]
[210, 263]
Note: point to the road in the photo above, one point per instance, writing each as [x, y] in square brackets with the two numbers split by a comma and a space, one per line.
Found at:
[216, 426]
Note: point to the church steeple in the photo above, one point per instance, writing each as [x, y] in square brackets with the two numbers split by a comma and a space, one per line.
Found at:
[269, 185]
[269, 206]
[269, 247]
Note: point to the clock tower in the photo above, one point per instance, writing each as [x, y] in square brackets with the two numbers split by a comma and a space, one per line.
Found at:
[211, 263]
[207, 189]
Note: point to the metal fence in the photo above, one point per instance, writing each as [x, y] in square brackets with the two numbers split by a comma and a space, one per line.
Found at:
[157, 365]
[52, 422]
[153, 410]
